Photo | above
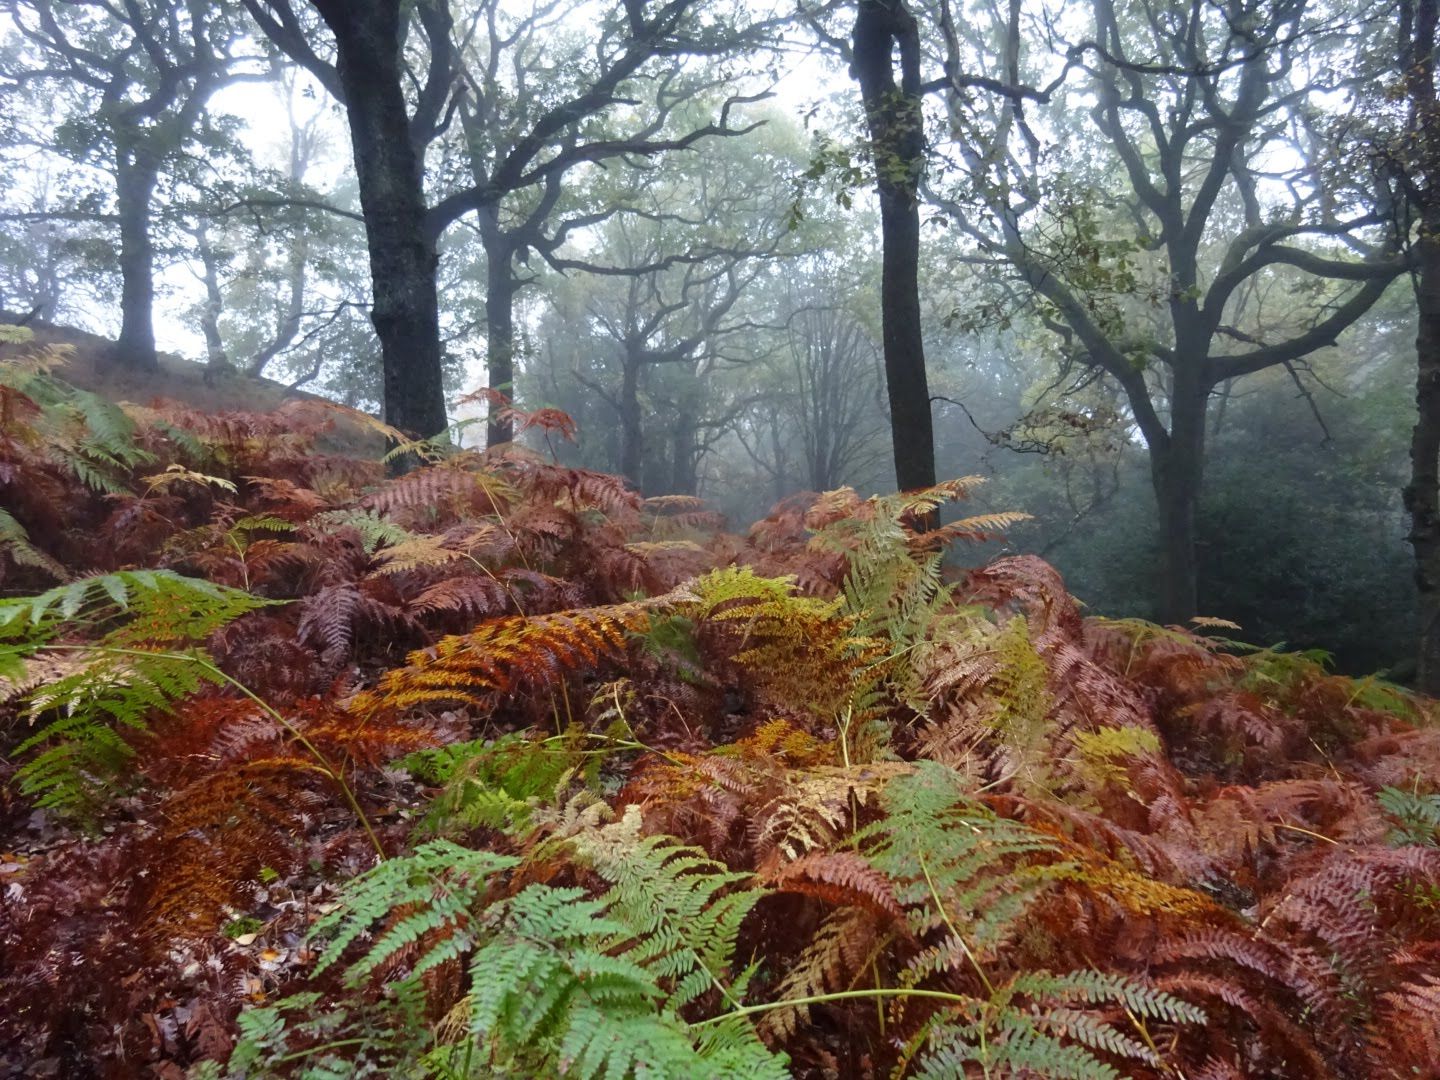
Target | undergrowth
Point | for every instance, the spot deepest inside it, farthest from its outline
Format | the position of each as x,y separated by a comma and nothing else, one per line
496,769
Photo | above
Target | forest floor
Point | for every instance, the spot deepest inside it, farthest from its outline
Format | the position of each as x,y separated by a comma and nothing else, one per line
498,769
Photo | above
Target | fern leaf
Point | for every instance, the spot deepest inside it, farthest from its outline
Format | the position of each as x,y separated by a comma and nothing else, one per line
438,873
137,669
676,901
16,541
504,654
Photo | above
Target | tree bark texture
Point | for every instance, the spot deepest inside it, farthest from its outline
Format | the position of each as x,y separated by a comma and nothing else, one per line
1422,494
1177,468
216,359
684,454
500,289
632,433
403,261
897,137
135,179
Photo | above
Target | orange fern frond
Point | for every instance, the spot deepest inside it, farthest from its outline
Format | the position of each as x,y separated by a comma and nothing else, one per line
505,656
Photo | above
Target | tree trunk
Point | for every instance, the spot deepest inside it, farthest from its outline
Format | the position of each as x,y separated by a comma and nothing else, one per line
216,359
500,289
632,435
402,256
1422,494
905,379
684,459
781,455
897,136
1176,470
135,178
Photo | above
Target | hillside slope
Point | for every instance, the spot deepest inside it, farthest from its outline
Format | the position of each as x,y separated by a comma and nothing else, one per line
496,769
183,382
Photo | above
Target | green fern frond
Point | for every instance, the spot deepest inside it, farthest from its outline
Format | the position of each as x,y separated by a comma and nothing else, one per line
1100,987
366,1034
162,607
1417,816
556,986
1104,756
1020,689
15,541
83,755
440,881
951,857
83,432
806,649
1012,1046
144,661
560,981
109,433
493,784
1094,1034
676,901
375,531
894,586
261,523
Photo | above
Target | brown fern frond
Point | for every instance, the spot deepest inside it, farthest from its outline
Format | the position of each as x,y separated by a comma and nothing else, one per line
672,516
700,798
550,421
260,651
575,489
1216,1069
1235,1010
333,619
842,949
830,507
1396,759
469,596
841,879
814,807
545,524
1353,903
1032,586
207,732
977,529
539,591
283,498
621,570
217,836
420,551
1297,969
670,562
1405,1032
1174,862
441,494
1297,811
781,739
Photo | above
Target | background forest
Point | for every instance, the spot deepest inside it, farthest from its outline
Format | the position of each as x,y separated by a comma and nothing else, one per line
666,230
391,682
